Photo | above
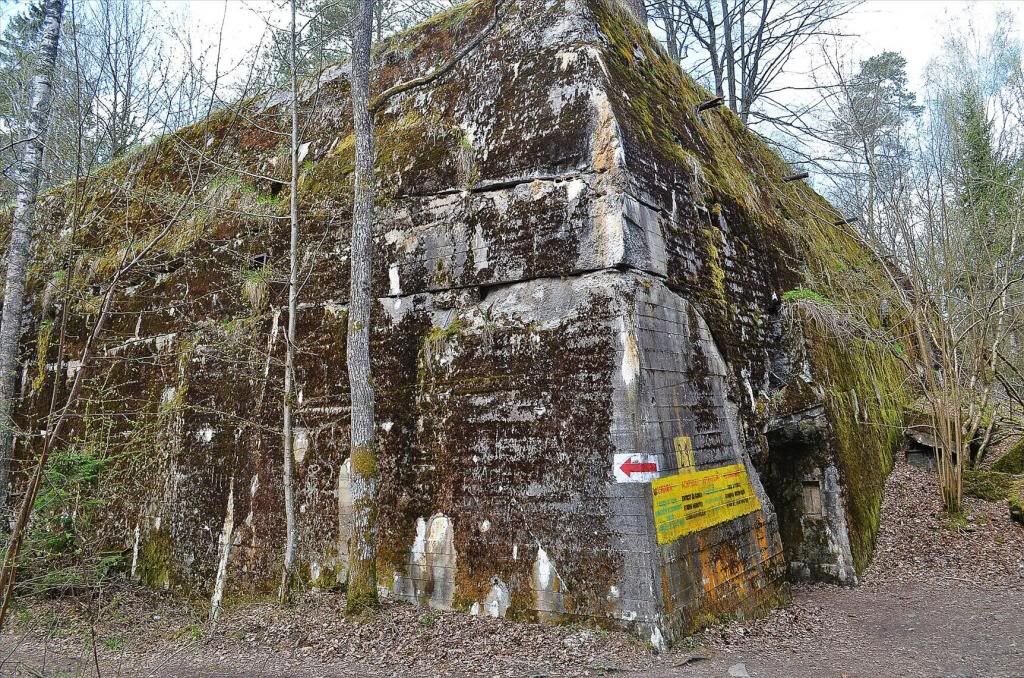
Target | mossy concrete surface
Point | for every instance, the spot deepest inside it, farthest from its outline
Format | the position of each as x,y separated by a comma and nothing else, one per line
570,264
993,485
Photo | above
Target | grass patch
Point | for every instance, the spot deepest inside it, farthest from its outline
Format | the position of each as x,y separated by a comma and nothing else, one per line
803,294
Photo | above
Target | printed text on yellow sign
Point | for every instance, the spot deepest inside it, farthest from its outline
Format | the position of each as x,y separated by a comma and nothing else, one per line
692,501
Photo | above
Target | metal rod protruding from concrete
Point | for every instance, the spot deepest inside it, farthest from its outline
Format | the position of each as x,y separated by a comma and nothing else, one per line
710,103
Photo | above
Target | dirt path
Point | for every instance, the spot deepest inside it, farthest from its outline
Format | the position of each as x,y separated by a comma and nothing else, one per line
940,599
905,630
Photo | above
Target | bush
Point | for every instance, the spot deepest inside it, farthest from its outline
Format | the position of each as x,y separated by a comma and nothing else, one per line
57,556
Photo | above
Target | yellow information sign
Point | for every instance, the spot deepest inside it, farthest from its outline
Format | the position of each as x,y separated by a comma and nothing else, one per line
692,501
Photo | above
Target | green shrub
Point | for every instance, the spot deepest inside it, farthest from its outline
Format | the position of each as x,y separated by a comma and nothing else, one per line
802,294
57,554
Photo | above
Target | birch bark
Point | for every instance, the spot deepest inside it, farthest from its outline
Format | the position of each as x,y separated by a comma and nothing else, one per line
287,432
28,176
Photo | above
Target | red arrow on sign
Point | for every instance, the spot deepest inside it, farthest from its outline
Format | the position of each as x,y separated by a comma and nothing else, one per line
631,466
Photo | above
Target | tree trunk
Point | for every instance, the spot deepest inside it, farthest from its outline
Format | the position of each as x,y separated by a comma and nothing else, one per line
672,40
362,577
730,56
21,234
287,433
716,63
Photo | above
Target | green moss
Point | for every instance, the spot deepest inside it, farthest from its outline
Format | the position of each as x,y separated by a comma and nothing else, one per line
712,241
434,342
865,402
154,565
256,286
991,485
659,104
329,578
802,294
1012,461
1017,509
174,405
276,203
438,26
361,592
333,174
42,350
364,461
955,521
438,334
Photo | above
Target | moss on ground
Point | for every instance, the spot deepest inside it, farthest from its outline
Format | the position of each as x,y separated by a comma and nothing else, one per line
992,485
1012,461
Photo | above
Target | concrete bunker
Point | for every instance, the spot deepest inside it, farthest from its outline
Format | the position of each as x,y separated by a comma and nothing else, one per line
573,330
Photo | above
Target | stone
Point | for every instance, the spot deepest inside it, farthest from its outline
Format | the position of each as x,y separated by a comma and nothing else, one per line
738,671
1013,460
1017,510
992,485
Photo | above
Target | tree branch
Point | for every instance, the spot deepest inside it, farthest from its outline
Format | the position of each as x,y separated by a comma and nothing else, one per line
382,99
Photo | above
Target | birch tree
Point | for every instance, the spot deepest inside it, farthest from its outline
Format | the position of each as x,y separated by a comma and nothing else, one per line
28,177
117,53
293,293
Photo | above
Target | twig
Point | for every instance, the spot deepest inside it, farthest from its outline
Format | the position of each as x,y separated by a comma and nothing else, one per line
17,143
95,655
382,99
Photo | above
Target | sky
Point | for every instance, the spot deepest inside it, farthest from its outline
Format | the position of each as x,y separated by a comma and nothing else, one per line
912,27
915,28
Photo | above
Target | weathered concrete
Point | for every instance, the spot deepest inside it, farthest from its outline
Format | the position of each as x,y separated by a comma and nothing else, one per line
570,264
